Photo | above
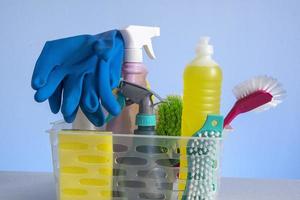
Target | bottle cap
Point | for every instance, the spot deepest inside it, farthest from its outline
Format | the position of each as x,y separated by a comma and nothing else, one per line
145,120
204,48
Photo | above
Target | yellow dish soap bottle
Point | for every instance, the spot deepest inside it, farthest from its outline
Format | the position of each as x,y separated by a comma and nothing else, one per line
201,93
201,89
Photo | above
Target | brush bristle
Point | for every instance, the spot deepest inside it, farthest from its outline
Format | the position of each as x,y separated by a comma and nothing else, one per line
261,83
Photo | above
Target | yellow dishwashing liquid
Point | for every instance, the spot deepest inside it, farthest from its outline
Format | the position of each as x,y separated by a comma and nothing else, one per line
201,94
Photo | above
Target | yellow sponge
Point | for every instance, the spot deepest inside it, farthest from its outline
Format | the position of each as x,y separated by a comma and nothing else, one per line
86,165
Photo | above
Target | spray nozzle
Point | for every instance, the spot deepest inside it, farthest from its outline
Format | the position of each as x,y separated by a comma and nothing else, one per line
136,94
136,38
142,96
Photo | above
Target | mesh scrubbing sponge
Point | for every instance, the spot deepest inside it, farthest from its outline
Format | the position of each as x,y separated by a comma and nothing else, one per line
169,116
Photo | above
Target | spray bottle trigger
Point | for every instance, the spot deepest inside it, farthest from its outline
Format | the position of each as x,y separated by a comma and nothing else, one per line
149,49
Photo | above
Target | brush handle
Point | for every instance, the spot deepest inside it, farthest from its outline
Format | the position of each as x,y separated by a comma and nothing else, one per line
231,115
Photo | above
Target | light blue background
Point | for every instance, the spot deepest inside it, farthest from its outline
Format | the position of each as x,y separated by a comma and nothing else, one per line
250,38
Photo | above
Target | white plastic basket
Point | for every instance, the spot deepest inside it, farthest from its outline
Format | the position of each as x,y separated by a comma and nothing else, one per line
93,165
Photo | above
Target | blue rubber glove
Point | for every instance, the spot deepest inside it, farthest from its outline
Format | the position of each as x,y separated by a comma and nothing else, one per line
81,70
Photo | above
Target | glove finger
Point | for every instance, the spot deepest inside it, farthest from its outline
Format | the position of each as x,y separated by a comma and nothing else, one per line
44,65
89,99
71,118
116,61
96,118
115,74
55,99
55,78
56,52
110,48
71,94
73,87
108,100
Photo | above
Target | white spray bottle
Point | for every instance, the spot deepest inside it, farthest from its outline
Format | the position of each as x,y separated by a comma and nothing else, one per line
134,71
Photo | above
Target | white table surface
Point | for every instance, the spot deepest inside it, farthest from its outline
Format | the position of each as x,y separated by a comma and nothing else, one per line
40,186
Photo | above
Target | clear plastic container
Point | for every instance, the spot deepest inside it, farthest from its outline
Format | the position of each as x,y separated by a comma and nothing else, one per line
94,165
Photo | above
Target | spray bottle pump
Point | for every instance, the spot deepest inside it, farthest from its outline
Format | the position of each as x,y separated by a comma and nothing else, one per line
136,38
145,119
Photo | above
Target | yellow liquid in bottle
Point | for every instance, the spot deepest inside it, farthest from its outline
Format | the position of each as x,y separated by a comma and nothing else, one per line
201,96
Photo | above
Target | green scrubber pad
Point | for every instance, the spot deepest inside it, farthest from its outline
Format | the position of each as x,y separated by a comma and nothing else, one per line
169,116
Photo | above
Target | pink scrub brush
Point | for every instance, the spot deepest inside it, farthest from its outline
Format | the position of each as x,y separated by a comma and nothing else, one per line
259,93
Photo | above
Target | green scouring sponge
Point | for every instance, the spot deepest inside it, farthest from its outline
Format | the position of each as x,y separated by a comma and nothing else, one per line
169,116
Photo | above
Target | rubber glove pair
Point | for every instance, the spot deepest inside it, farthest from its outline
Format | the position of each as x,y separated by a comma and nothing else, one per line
80,71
